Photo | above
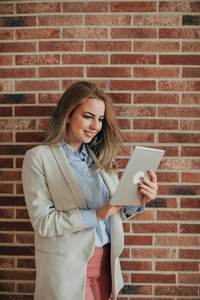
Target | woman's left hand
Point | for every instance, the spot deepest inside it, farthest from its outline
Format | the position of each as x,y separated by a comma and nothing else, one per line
148,187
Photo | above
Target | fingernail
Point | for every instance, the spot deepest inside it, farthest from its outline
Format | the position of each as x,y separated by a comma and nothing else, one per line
149,171
139,188
139,183
142,178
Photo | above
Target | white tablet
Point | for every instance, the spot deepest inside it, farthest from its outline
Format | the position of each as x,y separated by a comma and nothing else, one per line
142,160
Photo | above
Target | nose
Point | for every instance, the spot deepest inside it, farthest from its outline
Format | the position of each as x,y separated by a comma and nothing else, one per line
95,124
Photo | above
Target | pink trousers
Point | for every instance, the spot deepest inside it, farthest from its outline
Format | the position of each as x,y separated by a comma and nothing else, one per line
98,280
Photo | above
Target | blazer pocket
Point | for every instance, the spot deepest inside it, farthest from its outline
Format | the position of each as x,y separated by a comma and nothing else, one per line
50,252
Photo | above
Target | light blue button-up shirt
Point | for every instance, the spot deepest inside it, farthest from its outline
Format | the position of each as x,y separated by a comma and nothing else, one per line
95,192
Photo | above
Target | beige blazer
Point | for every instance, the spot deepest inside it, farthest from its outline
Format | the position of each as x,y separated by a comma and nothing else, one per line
62,245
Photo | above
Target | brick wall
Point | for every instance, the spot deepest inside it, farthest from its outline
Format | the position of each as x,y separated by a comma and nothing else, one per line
146,55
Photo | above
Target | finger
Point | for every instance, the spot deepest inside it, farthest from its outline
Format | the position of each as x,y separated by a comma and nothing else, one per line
153,176
148,183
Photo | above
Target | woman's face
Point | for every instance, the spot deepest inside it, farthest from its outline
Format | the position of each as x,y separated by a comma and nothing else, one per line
85,122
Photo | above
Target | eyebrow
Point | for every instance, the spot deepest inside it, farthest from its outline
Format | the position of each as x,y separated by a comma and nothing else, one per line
93,114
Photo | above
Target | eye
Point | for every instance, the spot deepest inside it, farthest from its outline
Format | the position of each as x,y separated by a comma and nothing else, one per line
101,120
87,117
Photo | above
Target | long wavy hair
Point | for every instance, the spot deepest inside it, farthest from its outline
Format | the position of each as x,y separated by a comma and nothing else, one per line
107,143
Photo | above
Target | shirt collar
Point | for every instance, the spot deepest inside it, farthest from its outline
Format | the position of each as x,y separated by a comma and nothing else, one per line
71,151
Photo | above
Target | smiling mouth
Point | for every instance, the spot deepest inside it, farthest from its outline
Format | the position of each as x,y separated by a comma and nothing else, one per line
89,134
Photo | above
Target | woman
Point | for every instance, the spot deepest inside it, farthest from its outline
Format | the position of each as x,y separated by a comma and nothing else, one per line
68,184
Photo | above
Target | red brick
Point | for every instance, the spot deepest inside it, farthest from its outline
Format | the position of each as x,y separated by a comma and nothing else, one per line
19,162
189,278
103,84
125,253
153,253
168,176
143,46
156,98
126,227
43,123
176,266
17,21
190,202
25,8
180,33
12,201
146,215
179,137
85,33
191,98
25,287
133,33
156,72
155,124
60,20
17,98
130,111
191,72
189,253
6,137
6,188
6,34
154,228
6,213
37,59
136,290
49,98
134,137
190,46
160,202
7,262
34,110
108,20
25,238
190,228
178,215
190,125
85,59
61,72
6,86
7,9
179,59
6,112
9,124
190,151
29,137
120,97
179,190
7,286
179,112
179,164
111,46
37,85
133,6
190,177
138,240
85,7
178,241
25,263
6,163
136,265
179,86
156,20
133,59
10,175
109,72
191,20
124,123
40,33
177,290
14,226
18,73
136,85
6,60
61,46
22,214
153,278
17,275
18,47
179,6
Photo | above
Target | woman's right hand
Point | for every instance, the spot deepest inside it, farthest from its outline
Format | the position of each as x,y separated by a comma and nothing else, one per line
106,211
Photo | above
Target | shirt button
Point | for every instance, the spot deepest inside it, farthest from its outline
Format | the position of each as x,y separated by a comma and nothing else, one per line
93,187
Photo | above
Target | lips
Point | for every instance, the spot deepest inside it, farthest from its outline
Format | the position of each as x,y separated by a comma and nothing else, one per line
89,133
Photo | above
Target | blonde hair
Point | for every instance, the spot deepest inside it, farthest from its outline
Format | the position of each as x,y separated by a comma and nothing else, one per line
107,143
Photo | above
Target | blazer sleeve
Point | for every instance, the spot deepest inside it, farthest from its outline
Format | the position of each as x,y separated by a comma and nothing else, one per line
45,219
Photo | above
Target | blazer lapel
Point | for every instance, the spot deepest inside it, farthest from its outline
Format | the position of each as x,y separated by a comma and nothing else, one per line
66,170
